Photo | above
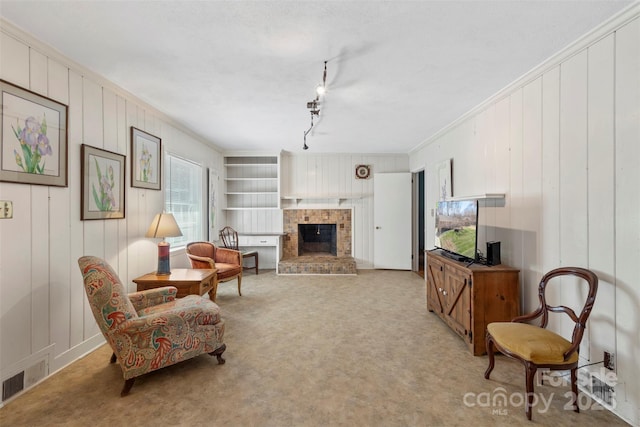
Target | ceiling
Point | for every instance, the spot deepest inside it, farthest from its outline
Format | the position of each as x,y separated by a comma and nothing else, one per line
240,73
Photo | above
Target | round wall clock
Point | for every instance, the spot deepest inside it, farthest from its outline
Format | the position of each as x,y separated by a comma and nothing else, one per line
362,171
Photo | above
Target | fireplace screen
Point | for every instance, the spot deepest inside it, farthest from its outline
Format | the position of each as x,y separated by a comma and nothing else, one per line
317,239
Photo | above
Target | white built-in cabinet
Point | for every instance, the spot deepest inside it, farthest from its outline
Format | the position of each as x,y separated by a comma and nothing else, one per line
252,193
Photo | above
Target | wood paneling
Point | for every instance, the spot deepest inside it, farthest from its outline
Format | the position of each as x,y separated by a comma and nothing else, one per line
531,187
42,300
601,192
566,149
512,251
550,181
573,176
627,219
39,257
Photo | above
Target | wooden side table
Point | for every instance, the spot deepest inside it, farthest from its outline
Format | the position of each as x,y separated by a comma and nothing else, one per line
187,281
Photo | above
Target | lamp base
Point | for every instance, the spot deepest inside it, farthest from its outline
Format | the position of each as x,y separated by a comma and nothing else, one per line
164,260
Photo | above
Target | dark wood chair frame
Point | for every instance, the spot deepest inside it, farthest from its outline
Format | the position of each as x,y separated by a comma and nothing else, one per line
129,382
543,311
229,238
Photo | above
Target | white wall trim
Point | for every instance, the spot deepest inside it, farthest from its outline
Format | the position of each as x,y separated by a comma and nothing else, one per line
56,364
76,353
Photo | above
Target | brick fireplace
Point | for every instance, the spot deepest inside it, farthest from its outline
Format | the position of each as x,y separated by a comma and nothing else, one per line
340,217
317,255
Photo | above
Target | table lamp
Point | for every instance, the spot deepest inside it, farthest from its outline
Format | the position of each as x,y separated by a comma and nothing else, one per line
163,225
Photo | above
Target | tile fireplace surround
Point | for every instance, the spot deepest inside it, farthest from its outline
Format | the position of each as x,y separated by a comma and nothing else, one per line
291,263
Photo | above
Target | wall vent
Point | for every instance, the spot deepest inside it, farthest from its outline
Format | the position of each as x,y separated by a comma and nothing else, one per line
12,385
602,391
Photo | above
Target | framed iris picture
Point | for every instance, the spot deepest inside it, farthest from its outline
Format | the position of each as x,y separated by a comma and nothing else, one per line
102,184
145,160
33,138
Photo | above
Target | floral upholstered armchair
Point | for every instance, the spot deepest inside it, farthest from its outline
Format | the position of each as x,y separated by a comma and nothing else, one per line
151,329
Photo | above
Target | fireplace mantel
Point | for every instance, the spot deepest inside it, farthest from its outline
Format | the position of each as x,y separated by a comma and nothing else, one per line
339,198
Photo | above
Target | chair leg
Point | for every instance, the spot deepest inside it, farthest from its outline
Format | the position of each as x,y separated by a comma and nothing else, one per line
256,257
239,284
213,292
218,354
113,358
489,344
574,389
530,374
127,387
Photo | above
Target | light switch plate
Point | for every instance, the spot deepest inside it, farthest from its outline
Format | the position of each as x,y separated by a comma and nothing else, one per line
6,209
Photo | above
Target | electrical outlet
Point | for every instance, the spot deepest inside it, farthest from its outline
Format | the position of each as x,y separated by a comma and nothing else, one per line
6,209
610,361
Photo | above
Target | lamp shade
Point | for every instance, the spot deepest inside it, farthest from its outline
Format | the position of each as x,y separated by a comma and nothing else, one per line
164,225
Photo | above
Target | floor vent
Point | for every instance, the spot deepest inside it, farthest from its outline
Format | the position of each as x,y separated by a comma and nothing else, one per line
12,386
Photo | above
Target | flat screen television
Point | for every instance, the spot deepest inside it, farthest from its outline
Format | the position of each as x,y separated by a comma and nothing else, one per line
456,228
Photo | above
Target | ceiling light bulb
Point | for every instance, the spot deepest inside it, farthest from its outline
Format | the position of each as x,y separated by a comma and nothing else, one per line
321,90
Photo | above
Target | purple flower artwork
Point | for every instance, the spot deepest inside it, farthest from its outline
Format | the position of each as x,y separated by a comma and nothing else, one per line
34,145
33,137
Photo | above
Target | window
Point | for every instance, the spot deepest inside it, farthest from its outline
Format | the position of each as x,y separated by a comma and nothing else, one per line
183,198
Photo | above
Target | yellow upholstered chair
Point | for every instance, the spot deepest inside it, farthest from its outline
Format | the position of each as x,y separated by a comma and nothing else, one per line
228,262
537,347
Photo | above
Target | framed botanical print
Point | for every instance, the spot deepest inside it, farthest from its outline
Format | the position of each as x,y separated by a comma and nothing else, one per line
102,184
145,160
33,138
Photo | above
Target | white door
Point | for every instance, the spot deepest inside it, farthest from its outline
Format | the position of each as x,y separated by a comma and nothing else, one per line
392,221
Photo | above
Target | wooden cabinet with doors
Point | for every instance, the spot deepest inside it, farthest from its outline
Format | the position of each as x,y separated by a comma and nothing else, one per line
468,297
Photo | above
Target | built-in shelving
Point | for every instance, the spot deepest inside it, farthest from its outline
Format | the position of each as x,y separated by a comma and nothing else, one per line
252,182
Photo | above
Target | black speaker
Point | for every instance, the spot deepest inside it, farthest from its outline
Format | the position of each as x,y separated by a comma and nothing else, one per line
493,253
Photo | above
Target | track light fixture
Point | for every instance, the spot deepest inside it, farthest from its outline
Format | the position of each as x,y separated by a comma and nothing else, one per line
314,106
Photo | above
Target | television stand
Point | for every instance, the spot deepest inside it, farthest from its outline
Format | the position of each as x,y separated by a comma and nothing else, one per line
468,297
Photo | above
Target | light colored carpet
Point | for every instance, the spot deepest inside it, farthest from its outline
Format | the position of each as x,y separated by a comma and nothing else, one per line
307,351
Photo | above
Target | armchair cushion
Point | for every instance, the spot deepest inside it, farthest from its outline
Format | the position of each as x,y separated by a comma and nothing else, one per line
226,271
183,307
530,342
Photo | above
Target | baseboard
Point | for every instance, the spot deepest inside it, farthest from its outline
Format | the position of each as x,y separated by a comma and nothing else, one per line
52,364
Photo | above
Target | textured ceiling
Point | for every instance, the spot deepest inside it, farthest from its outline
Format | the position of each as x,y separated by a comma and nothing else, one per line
240,73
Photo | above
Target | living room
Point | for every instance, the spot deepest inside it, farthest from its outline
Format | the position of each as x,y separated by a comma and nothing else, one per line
560,142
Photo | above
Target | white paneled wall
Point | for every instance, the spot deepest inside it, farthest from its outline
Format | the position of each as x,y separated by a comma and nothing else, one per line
564,145
43,308
314,176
